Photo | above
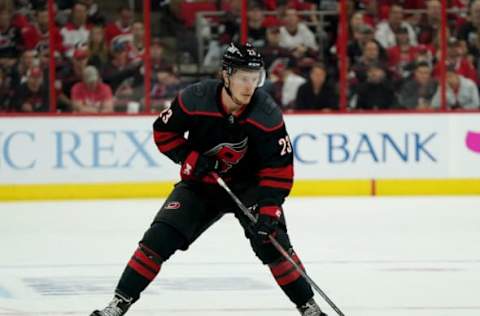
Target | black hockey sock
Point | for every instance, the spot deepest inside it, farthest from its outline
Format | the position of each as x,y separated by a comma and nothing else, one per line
158,244
140,271
292,283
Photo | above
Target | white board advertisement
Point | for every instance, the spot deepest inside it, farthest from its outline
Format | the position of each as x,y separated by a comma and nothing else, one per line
88,149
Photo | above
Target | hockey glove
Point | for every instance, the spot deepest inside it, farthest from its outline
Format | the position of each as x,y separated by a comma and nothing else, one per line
267,221
196,166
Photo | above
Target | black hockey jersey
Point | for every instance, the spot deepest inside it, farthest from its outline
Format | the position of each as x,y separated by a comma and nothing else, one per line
253,146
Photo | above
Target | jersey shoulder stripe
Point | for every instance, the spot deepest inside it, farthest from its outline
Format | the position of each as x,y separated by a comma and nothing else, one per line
200,98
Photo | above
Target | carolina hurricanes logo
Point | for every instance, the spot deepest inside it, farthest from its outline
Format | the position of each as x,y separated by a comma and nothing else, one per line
174,205
229,154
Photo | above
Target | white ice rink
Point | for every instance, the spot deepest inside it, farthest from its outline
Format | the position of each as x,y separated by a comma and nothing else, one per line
372,256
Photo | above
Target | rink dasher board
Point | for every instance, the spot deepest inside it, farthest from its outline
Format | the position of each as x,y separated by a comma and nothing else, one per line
369,154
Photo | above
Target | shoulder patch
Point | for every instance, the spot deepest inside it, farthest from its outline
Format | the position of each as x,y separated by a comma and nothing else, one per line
199,90
266,114
200,97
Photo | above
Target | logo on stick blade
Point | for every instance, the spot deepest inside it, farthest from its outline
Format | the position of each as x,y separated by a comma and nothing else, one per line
472,140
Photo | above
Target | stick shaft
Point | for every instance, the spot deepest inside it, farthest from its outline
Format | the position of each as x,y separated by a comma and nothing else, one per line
278,246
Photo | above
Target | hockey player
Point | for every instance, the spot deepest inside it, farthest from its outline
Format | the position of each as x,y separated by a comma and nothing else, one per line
237,131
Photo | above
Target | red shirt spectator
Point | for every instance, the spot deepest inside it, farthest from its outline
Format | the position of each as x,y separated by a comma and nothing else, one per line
460,5
463,67
189,9
20,21
36,35
91,95
121,27
457,59
402,55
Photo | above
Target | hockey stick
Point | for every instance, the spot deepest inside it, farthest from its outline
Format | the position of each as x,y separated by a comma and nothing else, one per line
277,245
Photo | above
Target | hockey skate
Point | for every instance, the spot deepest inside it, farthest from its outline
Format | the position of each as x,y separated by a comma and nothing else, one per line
311,308
117,307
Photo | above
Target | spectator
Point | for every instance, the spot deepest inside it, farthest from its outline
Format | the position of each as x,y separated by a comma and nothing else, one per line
130,88
70,75
272,51
118,68
25,6
137,41
75,32
32,95
430,23
385,33
462,93
231,19
456,56
98,48
402,55
469,32
458,8
121,29
362,34
372,14
44,59
357,19
94,16
10,39
418,93
286,82
20,12
425,54
370,55
377,92
130,91
36,35
165,89
256,29
297,37
91,95
26,62
316,93
5,92
157,55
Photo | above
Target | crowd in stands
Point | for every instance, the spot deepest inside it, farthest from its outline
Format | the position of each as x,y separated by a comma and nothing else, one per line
393,53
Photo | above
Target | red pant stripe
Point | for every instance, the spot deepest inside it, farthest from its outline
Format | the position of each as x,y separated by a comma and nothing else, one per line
146,260
281,268
297,261
147,274
284,266
276,184
289,278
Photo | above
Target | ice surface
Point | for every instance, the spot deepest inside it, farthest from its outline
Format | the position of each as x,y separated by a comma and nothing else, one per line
372,256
